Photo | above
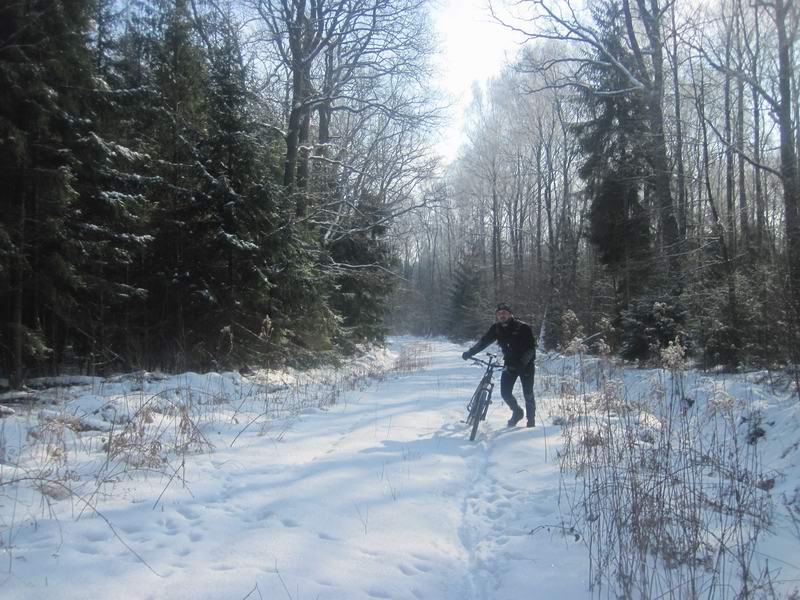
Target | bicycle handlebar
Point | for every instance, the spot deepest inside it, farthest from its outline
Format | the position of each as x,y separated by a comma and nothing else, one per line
490,363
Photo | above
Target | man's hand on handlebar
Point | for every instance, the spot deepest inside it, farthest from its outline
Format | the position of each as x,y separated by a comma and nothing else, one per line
491,361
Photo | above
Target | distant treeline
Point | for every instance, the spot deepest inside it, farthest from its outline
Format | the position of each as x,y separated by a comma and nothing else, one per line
203,184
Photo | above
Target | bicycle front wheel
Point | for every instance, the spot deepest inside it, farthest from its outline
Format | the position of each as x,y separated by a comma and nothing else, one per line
477,412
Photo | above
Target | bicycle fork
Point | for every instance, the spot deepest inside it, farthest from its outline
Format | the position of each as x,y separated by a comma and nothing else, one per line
489,388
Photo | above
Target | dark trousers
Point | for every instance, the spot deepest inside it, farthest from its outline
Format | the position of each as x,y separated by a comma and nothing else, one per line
507,381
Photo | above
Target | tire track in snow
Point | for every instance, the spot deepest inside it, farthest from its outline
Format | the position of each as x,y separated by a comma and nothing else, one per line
471,531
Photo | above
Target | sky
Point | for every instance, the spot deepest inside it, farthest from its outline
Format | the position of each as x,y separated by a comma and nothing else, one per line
474,49
379,494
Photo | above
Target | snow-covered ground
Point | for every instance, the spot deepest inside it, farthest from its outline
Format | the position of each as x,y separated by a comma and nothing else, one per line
266,495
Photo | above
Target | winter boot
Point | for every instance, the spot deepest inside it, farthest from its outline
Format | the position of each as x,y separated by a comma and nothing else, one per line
530,410
516,416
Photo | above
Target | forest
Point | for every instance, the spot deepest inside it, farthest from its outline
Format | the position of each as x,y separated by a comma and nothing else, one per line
630,181
225,184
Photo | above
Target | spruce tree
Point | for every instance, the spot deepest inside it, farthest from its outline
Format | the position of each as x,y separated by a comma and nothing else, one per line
466,317
234,245
613,141
362,280
45,75
162,62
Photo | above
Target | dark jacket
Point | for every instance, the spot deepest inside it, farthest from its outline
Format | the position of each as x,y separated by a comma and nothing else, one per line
515,339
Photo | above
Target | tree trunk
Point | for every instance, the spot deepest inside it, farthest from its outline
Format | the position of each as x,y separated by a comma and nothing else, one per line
548,208
293,132
17,375
540,179
657,150
497,253
744,208
732,306
681,174
730,208
789,171
760,204
656,147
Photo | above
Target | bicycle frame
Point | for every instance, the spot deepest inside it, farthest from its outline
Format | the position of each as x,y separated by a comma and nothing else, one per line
479,403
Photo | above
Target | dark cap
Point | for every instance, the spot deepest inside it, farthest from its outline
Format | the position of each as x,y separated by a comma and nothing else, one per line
503,306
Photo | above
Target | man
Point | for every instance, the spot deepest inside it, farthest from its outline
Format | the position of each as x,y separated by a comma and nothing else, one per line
518,344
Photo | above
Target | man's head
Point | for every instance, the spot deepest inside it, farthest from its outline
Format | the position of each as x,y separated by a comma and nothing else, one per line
503,313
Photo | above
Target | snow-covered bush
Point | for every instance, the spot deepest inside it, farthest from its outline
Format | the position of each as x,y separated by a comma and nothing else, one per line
649,324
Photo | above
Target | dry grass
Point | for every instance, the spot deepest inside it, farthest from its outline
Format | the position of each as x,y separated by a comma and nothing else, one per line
669,496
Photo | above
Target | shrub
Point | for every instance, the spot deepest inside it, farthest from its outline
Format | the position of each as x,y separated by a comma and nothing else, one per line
649,325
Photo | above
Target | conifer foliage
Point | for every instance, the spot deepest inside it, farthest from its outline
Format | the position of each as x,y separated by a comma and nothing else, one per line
145,222
45,80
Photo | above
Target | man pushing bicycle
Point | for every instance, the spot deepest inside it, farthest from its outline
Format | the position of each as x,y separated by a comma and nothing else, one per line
518,344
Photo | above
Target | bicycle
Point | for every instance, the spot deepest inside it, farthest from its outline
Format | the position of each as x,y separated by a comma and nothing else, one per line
479,403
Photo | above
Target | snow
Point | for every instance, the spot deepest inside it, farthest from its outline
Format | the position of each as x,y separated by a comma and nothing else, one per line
272,491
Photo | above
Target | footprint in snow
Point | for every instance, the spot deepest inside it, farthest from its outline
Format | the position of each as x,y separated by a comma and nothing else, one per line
327,537
420,556
97,536
406,570
290,523
188,513
250,517
378,593
129,529
495,514
170,525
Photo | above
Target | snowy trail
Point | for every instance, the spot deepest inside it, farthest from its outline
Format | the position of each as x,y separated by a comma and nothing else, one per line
380,496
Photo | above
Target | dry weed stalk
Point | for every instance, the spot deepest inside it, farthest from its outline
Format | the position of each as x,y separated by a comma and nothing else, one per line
670,497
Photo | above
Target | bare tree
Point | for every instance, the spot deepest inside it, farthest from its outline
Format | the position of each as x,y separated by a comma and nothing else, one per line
333,50
771,81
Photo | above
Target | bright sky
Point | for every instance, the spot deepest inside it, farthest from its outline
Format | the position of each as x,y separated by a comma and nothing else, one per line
474,48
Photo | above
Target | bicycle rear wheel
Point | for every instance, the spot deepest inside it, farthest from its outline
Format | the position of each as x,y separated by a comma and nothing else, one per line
478,412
